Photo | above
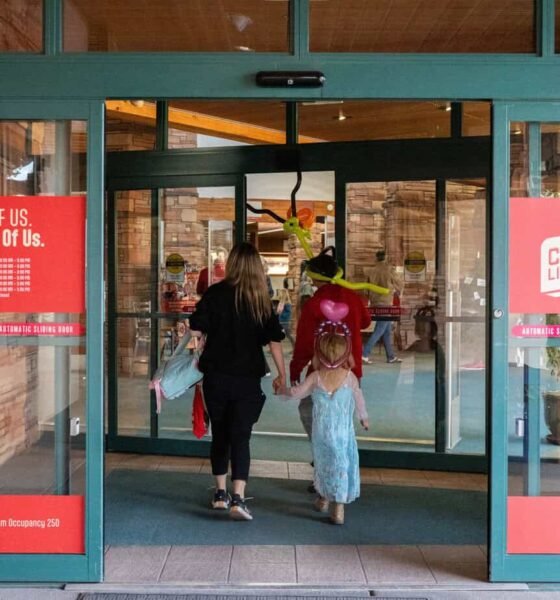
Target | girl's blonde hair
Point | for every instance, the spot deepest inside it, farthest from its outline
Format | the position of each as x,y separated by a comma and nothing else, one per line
333,347
244,271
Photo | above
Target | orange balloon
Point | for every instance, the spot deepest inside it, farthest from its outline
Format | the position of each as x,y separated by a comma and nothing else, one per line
305,217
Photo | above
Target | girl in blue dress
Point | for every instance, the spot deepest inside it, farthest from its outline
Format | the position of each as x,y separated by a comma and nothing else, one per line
335,393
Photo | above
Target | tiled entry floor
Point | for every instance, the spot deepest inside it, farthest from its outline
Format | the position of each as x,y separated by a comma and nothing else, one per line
301,565
354,566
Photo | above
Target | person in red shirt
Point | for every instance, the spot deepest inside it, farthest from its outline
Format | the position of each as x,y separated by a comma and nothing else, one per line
311,316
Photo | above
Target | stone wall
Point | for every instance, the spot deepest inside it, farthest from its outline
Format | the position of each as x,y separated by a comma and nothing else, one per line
18,399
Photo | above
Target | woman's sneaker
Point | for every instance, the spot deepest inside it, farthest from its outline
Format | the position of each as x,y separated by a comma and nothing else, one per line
239,510
221,500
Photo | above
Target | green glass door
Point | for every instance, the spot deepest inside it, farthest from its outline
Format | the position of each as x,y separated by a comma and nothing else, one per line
51,340
525,437
167,245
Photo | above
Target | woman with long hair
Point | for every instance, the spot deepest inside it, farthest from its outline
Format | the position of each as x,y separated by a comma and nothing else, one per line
237,318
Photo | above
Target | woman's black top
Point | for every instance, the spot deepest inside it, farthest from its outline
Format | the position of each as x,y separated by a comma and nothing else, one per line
234,341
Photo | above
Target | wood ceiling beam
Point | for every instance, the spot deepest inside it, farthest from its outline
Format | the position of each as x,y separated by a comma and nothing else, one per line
200,123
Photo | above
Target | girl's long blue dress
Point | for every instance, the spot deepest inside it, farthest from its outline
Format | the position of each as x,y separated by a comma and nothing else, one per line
335,451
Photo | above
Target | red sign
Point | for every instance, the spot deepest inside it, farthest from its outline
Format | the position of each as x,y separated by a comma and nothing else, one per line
32,329
536,331
384,311
534,255
42,254
532,525
42,525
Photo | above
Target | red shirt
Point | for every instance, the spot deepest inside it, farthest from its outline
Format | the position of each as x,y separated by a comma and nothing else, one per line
311,316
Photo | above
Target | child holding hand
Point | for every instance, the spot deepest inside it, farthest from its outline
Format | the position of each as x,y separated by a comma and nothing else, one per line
335,394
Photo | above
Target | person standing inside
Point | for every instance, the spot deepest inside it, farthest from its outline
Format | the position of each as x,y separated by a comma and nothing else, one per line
311,317
384,275
237,319
284,311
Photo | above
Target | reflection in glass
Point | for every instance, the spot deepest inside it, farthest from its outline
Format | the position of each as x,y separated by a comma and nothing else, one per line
176,26
21,26
424,26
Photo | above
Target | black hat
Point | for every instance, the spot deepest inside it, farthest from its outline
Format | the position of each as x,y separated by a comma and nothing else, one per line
324,264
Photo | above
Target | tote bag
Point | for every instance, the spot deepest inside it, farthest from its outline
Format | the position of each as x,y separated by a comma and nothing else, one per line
174,377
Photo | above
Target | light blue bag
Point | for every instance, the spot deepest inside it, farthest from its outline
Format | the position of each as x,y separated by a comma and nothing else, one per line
174,377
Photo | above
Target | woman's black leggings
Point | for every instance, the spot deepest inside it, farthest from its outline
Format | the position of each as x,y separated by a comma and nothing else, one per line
234,404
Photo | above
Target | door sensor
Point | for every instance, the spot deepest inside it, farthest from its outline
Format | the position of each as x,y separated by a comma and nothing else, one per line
290,78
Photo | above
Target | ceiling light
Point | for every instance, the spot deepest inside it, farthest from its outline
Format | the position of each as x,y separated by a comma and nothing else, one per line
321,102
341,116
137,103
244,49
517,131
240,22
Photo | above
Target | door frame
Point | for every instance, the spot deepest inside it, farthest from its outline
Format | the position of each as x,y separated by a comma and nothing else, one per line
87,566
504,566
449,158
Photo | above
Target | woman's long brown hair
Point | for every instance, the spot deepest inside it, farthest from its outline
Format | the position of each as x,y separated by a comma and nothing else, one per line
245,272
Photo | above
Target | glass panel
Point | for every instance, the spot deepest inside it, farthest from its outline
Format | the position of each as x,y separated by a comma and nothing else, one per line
476,118
339,121
42,337
283,257
422,26
464,335
21,26
176,26
534,342
130,125
133,359
133,295
225,123
197,232
399,218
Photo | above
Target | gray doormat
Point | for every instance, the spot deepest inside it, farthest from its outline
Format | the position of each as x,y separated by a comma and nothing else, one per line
222,597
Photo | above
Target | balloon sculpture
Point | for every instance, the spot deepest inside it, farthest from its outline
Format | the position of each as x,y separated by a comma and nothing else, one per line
299,223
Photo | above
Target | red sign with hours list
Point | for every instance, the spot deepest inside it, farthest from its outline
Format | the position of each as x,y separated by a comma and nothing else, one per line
42,254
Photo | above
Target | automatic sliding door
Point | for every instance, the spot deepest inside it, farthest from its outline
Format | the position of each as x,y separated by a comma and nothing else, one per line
433,234
197,232
168,247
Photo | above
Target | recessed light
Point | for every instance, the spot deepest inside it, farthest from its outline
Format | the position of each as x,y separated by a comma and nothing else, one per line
341,116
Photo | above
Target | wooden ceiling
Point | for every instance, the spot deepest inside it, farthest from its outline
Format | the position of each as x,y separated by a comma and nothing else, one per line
365,120
263,122
335,25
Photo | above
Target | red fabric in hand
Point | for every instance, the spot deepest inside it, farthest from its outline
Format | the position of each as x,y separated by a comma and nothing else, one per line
198,413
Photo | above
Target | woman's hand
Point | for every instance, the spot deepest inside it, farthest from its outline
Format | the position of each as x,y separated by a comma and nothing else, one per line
364,423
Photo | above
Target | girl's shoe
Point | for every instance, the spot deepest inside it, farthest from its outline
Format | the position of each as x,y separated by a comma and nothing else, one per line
239,510
321,505
337,513
221,500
